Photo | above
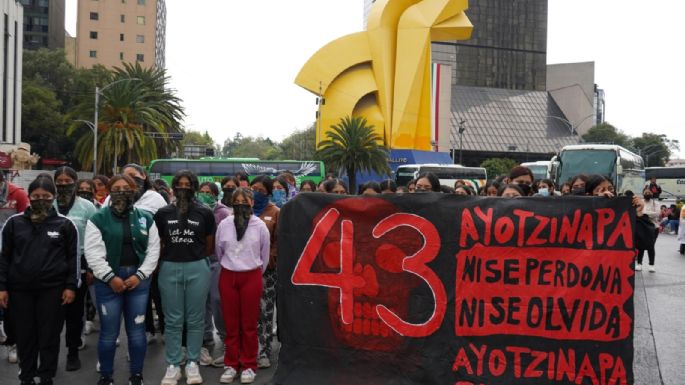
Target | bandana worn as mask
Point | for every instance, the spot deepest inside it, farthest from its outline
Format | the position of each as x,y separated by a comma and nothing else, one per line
65,194
40,208
260,202
278,198
228,194
241,219
87,195
578,191
207,199
121,202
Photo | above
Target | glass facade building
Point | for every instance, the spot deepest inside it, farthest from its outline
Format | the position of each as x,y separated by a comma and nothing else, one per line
43,23
508,47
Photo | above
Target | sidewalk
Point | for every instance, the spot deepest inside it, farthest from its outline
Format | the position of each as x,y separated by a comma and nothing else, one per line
659,334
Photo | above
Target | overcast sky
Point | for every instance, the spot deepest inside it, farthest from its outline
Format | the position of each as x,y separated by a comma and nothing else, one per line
234,62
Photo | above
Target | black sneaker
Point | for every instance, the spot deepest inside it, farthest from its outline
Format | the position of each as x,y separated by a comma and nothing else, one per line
136,379
105,381
73,363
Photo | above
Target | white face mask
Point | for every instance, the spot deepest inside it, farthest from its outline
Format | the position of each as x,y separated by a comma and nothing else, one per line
543,192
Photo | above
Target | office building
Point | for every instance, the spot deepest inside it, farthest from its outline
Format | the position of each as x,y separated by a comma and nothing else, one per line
43,24
10,71
110,32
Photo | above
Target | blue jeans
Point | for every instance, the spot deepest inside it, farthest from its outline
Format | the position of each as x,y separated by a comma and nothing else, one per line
110,305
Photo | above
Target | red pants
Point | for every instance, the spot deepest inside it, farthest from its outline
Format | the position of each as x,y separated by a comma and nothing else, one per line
240,295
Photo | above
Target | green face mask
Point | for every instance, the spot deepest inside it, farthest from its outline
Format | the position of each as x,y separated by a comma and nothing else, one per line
207,199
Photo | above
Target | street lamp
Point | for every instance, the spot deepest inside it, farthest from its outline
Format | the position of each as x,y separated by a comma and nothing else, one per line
462,128
570,125
95,143
98,90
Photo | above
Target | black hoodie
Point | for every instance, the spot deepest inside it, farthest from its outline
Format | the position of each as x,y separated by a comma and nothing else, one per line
39,256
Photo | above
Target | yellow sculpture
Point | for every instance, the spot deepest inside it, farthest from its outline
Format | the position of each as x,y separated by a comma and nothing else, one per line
384,73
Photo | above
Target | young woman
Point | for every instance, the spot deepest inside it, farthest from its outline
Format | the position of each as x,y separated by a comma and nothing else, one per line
511,190
38,277
243,246
122,249
598,186
101,192
335,186
645,236
228,185
578,184
490,189
388,186
427,182
262,186
523,177
79,211
186,230
307,185
281,191
85,188
370,188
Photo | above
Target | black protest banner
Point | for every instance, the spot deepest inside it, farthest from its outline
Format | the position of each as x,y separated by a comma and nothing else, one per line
441,289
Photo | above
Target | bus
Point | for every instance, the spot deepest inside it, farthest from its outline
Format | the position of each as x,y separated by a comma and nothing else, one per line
475,177
215,169
670,179
540,168
625,169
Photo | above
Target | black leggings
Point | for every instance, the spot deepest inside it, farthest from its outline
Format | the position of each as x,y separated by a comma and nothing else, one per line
650,251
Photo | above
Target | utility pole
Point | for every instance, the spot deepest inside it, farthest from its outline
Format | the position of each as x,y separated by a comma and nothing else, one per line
462,128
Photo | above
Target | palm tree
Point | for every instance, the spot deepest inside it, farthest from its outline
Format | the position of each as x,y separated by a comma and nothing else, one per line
131,112
353,146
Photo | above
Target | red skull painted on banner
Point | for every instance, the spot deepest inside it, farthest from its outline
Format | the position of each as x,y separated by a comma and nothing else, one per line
379,262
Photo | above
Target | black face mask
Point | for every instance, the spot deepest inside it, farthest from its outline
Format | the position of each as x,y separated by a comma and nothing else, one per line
578,191
228,194
242,213
141,188
648,197
65,194
87,195
121,202
183,197
40,209
525,188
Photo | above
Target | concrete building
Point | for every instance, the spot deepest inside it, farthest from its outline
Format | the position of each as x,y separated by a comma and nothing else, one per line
43,24
110,32
10,72
572,86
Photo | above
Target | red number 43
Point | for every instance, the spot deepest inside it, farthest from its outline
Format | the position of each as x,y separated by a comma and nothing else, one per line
346,280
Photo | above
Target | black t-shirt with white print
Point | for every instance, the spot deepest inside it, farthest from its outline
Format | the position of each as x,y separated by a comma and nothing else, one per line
184,241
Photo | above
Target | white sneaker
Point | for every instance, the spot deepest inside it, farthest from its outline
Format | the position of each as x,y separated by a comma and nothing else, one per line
172,375
193,376
228,375
247,376
263,363
638,267
652,269
218,362
12,354
205,358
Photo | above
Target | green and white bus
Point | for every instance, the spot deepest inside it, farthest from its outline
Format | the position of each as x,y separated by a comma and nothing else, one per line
215,169
625,169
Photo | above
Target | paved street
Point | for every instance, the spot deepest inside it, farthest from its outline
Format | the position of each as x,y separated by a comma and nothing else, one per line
659,334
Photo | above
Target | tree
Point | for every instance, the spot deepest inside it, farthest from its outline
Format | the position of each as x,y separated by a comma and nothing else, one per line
653,148
353,146
606,133
42,123
498,166
249,147
300,145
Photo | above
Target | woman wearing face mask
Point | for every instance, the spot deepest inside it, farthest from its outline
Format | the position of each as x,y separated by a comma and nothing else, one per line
186,230
565,189
101,192
578,183
545,188
281,192
243,248
85,188
262,188
79,211
427,182
122,249
523,177
38,278
209,193
228,185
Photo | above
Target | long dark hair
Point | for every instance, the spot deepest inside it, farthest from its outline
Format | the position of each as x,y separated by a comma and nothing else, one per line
435,181
45,182
194,183
146,184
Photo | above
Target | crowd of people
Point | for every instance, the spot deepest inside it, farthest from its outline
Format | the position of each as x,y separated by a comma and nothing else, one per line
186,261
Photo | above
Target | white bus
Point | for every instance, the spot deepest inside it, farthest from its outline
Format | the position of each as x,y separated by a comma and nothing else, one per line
540,168
670,179
625,169
475,177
